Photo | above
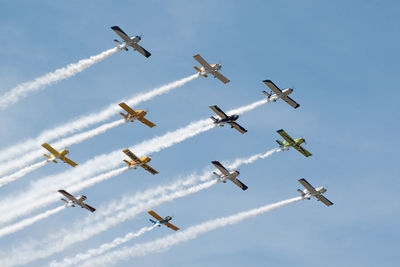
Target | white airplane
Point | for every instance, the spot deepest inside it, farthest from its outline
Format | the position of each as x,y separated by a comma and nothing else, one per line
225,174
210,69
130,41
310,191
78,200
278,93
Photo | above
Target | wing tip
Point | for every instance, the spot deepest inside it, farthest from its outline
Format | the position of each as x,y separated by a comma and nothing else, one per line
266,81
279,131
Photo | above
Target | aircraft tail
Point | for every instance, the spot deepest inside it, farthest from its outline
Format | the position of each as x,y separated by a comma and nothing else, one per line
124,115
214,119
49,157
127,162
303,195
280,143
199,70
267,94
119,43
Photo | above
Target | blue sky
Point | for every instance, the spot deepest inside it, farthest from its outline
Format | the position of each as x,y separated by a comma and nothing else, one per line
341,57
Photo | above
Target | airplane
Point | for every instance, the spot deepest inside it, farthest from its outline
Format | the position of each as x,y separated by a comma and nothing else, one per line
135,115
161,220
289,142
209,69
278,93
310,191
226,119
57,155
130,41
225,174
135,162
78,200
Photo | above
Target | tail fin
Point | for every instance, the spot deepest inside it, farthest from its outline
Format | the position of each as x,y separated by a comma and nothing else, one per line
199,70
280,143
49,157
127,162
267,94
124,115
118,42
301,192
214,119
216,174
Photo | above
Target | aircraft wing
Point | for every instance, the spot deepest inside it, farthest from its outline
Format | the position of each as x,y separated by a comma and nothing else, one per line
149,169
50,149
121,33
309,187
68,161
290,102
127,109
89,208
68,195
203,62
219,112
221,168
324,200
141,50
131,155
147,122
272,86
238,127
239,183
221,77
285,136
155,215
170,225
302,150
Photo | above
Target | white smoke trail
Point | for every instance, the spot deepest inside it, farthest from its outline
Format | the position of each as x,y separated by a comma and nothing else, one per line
25,256
102,249
168,241
29,221
12,177
97,179
105,217
40,189
17,205
75,139
86,121
23,89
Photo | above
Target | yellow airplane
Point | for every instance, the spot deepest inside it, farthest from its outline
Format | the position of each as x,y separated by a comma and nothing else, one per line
289,142
135,162
135,115
58,155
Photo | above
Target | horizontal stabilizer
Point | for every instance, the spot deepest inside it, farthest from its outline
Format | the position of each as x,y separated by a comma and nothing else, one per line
214,119
267,94
280,143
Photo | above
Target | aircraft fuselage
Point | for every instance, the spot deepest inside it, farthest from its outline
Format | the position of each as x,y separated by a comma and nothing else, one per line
223,178
131,118
144,160
307,194
285,92
215,68
132,41
71,203
222,122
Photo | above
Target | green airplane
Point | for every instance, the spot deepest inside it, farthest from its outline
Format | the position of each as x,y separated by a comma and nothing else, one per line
289,142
